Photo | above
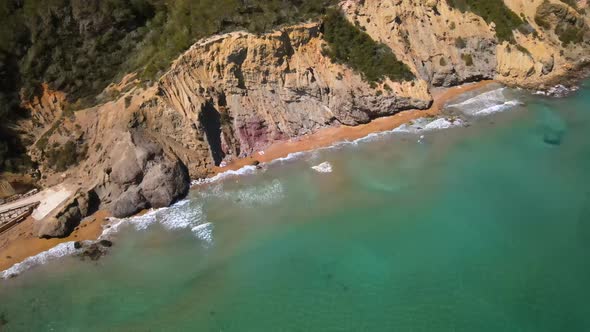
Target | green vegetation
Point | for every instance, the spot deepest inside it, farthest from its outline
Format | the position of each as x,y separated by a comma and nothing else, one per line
460,43
568,28
60,158
542,22
523,49
571,3
349,45
80,46
570,35
492,11
467,58
179,23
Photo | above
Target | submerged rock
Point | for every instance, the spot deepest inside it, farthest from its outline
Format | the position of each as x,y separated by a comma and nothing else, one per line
106,243
3,320
553,138
93,250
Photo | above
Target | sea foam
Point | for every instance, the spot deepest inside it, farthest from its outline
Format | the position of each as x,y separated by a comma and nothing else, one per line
485,103
266,193
182,215
59,251
231,173
324,167
204,232
425,124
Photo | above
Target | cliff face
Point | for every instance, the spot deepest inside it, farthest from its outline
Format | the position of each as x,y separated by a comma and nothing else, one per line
239,92
233,95
446,46
228,96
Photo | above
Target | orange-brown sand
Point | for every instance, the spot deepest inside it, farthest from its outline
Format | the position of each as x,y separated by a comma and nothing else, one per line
19,243
328,136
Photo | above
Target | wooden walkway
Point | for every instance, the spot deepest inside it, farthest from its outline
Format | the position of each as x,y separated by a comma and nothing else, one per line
11,217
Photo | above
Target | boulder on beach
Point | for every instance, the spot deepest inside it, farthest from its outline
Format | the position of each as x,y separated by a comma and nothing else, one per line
143,176
62,221
130,202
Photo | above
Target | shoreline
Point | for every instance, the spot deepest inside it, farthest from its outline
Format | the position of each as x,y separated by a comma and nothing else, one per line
18,243
328,136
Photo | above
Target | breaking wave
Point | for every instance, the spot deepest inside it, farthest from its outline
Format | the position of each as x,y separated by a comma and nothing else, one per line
425,124
182,215
486,103
57,252
227,174
251,196
324,167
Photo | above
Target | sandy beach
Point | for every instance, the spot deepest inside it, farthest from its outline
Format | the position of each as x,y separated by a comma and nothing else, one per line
18,243
329,136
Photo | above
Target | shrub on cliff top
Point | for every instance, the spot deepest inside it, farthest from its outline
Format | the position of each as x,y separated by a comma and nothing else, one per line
349,45
80,46
492,11
60,158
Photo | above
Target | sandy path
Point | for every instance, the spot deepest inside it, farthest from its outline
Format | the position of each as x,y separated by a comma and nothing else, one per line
49,199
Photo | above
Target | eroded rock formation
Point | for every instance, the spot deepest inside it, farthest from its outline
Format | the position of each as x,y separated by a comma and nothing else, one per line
232,95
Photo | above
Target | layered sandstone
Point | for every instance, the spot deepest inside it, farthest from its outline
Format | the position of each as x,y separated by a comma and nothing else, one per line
233,95
435,40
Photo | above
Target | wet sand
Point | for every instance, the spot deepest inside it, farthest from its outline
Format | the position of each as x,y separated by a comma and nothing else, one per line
19,243
328,136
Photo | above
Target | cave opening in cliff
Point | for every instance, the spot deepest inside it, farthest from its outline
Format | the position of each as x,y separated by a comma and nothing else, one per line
210,120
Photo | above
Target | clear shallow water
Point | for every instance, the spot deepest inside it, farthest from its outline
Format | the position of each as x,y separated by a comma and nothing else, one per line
485,228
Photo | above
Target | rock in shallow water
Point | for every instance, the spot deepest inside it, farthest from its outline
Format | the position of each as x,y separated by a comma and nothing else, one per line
106,243
553,138
92,250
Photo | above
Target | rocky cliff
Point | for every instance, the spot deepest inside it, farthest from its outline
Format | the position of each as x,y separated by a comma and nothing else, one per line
234,94
446,46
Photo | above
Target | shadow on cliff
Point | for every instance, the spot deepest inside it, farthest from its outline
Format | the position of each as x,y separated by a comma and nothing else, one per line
210,120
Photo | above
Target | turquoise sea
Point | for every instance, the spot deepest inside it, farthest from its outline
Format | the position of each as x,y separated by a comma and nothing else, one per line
479,228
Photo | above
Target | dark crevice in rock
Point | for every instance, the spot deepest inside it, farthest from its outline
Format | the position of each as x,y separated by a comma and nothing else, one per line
210,120
93,202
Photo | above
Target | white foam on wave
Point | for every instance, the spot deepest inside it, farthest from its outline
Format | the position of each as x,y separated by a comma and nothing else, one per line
324,167
181,215
444,123
497,108
425,124
231,173
485,103
59,251
289,157
267,193
204,232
